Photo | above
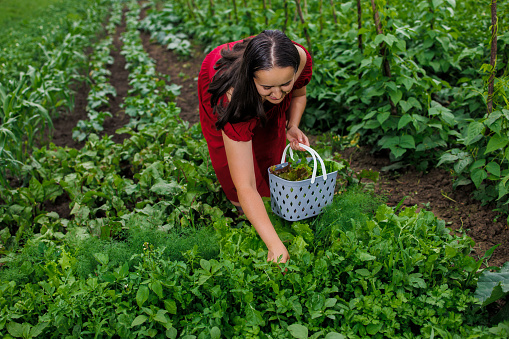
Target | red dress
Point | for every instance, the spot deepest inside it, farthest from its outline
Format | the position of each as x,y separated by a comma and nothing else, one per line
268,141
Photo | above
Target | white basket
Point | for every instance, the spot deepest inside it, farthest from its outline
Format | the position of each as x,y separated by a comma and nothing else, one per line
297,200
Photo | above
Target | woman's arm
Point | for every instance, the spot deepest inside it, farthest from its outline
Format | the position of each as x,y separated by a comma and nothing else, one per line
294,113
240,161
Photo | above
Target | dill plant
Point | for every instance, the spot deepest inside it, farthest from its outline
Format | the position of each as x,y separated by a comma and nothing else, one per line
356,204
27,265
174,243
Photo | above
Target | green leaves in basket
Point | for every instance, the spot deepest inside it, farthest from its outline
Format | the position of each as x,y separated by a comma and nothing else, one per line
300,172
297,168
301,168
333,166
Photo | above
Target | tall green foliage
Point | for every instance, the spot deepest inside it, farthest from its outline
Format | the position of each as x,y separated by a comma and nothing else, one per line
416,87
41,90
394,275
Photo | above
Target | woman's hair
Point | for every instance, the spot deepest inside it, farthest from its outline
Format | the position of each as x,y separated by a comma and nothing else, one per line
236,69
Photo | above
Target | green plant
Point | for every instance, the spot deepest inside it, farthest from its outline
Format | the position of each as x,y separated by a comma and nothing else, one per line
353,204
100,91
37,93
493,286
166,28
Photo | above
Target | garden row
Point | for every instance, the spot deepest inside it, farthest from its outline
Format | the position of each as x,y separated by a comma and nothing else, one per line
151,248
31,95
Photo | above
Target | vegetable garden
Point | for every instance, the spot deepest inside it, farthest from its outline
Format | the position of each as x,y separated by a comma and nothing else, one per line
117,227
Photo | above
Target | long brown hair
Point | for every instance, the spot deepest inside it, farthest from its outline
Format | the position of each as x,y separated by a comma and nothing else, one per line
236,68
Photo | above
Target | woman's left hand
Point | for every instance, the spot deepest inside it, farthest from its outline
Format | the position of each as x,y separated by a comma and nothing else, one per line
296,136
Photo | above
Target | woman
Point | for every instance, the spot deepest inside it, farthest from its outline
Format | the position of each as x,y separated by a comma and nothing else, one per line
252,94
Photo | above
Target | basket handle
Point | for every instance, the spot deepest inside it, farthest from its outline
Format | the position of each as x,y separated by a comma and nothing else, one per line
314,154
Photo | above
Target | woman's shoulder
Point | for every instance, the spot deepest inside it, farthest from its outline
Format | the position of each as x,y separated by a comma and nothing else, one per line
305,70
305,59
303,53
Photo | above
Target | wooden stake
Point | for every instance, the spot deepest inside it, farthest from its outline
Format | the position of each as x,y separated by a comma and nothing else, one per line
286,15
333,12
306,33
235,11
321,14
383,52
359,23
265,12
493,56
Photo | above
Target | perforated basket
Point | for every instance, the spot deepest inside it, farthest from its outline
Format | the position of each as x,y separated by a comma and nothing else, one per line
297,200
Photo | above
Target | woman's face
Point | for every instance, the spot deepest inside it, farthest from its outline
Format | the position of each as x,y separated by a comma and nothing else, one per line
275,83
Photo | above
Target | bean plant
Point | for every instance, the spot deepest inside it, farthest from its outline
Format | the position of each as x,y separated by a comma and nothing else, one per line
412,83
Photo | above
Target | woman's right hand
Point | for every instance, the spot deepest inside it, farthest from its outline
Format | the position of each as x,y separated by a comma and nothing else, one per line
240,162
277,251
296,136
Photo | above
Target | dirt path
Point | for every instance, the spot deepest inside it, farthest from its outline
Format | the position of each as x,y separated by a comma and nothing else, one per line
119,80
432,190
64,124
182,71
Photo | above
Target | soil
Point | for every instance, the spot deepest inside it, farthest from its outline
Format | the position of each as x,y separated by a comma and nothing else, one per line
431,190
119,80
434,192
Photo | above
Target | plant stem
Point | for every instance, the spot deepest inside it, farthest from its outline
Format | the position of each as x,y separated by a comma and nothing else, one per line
265,12
211,7
286,15
235,11
432,11
199,16
383,52
306,33
333,12
359,23
321,14
191,10
493,56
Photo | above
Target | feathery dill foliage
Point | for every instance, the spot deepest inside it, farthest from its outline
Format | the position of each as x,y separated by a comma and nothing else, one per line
355,204
25,266
175,244
28,265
